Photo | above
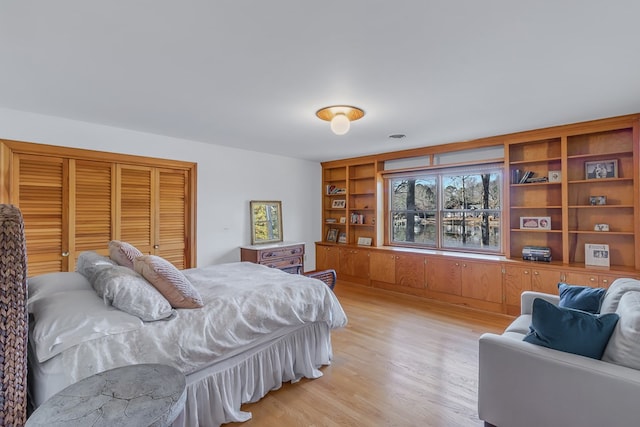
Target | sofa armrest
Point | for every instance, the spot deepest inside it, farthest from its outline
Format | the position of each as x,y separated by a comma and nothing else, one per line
527,297
525,385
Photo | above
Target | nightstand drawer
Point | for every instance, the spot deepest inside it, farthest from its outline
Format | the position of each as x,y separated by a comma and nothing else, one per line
283,263
281,253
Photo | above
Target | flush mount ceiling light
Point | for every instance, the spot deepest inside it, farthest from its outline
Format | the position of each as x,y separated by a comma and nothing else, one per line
340,117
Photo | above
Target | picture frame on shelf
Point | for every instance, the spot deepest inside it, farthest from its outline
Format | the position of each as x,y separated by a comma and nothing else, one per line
342,238
601,227
364,241
343,220
555,176
601,169
596,255
597,200
339,204
332,235
535,223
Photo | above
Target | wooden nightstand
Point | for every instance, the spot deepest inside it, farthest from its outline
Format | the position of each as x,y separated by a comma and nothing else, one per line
287,256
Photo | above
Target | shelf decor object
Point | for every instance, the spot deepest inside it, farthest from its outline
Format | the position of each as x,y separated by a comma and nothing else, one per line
597,255
555,176
601,169
339,204
535,222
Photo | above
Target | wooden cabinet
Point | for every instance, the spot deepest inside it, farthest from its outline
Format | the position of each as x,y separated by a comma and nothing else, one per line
539,199
354,264
334,202
382,267
361,203
610,146
444,275
546,280
75,200
404,272
463,277
482,281
327,257
349,202
286,256
559,159
516,280
573,150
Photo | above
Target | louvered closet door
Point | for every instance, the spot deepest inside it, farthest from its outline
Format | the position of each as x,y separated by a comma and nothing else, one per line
172,216
39,189
92,205
135,223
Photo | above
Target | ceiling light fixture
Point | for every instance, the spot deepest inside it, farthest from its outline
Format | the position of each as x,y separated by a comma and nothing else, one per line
340,117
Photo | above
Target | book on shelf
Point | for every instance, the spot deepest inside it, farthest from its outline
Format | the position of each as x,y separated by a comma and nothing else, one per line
525,176
538,179
332,189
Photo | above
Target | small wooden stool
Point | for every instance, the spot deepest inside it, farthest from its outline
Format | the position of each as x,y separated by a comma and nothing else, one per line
135,395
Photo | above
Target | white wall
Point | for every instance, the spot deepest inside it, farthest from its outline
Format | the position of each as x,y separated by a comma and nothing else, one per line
228,179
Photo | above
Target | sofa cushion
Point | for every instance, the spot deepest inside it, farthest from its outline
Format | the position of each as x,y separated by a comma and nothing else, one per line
583,298
618,288
624,345
520,324
569,330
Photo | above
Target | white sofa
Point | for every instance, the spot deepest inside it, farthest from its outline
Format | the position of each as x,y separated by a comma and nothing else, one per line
527,385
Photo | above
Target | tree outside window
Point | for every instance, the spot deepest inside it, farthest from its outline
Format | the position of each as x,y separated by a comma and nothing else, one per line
448,209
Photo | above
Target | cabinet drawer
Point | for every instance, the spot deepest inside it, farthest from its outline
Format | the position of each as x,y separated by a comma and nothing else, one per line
280,253
283,262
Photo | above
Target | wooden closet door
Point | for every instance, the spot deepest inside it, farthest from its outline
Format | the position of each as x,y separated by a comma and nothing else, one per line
135,222
40,190
172,216
92,206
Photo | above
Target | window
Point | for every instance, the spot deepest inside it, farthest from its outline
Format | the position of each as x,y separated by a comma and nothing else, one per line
451,208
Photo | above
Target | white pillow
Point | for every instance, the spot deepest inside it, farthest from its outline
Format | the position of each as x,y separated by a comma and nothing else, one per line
50,283
89,263
65,319
623,347
618,288
130,292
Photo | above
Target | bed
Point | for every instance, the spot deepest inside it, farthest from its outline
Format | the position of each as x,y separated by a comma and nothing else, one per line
257,328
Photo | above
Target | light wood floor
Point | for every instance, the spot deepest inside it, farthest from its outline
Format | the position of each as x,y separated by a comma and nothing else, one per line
401,361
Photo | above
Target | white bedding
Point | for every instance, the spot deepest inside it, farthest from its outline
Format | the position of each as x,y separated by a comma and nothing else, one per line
245,305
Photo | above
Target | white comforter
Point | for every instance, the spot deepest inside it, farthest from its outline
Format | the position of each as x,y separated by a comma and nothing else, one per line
244,303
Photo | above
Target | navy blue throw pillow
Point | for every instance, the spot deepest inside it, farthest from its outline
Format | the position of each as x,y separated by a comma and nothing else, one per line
569,330
581,297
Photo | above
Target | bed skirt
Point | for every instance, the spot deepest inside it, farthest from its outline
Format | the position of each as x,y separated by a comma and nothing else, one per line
215,394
